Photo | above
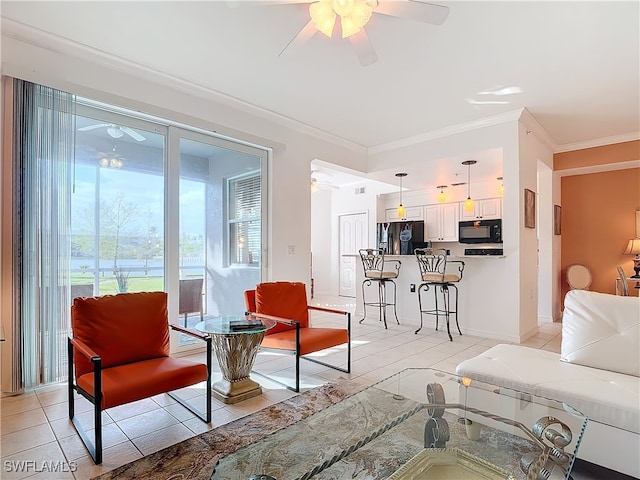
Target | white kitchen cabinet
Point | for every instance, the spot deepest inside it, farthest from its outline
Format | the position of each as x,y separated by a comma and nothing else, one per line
441,222
485,209
413,214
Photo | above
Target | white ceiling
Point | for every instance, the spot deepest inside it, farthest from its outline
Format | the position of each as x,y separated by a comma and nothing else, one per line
577,62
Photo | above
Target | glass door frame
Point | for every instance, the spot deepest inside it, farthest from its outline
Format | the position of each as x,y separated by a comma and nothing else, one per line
173,132
172,211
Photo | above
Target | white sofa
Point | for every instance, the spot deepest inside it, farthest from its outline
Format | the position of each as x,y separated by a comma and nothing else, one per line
597,372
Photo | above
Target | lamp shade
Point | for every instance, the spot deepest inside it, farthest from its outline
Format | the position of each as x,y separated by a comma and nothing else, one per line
633,247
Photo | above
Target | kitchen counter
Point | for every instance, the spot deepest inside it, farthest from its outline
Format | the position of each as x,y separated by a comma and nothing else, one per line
479,282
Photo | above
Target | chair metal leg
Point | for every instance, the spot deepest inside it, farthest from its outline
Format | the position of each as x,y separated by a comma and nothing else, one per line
435,296
94,448
364,300
395,312
456,311
420,303
382,302
445,298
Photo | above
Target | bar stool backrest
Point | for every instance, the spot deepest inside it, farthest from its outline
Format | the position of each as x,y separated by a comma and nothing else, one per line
432,264
373,263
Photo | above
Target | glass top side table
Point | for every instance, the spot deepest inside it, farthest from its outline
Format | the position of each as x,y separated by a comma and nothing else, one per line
236,340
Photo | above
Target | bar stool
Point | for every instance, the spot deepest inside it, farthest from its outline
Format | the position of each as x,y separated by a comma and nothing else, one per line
433,272
374,263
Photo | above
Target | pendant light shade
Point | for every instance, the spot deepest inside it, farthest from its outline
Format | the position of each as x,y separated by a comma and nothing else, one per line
468,204
402,211
442,197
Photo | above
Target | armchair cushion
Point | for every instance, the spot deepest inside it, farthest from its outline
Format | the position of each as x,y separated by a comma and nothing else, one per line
120,343
134,381
311,339
283,299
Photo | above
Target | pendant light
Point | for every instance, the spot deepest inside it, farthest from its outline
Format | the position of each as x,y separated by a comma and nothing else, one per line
501,187
442,197
468,204
402,212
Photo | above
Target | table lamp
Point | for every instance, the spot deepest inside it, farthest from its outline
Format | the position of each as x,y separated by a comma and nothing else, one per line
633,248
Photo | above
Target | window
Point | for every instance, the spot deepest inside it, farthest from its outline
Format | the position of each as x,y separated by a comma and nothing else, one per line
244,219
110,201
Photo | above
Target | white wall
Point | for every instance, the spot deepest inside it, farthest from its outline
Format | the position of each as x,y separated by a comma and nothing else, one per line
540,251
321,242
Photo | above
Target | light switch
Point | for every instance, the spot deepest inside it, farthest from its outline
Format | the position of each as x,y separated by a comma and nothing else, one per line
291,249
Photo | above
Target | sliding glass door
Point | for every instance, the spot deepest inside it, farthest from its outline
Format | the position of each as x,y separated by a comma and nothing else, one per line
162,207
220,226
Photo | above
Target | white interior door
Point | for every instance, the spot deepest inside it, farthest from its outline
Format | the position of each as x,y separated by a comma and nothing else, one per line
353,236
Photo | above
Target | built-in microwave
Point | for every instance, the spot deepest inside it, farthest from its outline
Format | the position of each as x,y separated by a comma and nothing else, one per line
480,231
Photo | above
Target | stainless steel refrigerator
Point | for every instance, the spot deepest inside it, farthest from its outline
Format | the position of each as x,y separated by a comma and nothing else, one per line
401,238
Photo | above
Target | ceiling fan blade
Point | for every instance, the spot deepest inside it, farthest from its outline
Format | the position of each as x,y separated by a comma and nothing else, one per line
299,40
93,127
132,133
363,48
414,10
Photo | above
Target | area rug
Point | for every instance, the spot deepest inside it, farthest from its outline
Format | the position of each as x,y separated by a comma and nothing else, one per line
197,457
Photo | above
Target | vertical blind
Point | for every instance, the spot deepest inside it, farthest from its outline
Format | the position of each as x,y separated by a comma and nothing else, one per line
244,220
44,126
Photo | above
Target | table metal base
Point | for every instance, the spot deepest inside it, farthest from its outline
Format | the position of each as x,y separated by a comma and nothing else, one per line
236,354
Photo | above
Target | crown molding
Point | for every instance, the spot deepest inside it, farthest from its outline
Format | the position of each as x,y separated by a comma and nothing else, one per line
533,126
606,167
627,137
501,118
54,43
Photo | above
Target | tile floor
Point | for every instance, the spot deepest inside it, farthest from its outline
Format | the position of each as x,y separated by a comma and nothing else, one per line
39,442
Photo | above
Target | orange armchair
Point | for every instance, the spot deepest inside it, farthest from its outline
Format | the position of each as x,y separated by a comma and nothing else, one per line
120,351
286,303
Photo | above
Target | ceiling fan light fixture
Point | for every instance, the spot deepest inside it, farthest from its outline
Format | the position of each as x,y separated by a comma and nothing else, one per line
323,16
343,7
354,14
349,27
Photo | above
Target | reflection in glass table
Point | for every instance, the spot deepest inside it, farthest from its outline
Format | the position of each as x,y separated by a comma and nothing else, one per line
412,426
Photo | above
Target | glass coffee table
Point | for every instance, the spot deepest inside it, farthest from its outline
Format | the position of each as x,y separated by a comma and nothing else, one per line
236,340
420,424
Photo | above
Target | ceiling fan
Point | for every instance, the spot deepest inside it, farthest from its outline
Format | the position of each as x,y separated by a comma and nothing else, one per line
322,185
353,15
115,131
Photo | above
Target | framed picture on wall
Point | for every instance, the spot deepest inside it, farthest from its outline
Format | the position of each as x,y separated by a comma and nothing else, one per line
529,208
557,220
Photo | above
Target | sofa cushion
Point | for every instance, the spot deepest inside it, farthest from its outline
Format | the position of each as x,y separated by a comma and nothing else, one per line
601,331
603,396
